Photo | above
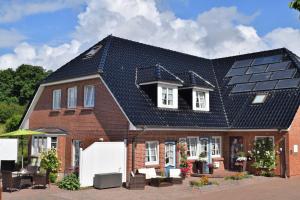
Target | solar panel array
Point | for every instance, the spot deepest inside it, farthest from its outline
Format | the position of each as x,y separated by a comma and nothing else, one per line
263,73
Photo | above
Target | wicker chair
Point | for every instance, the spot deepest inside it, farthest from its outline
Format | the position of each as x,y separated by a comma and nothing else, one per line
10,183
41,180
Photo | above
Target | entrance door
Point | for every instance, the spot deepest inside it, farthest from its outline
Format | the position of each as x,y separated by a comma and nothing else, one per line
170,156
236,145
204,149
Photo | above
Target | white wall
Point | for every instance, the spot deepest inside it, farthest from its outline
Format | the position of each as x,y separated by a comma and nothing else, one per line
8,149
102,157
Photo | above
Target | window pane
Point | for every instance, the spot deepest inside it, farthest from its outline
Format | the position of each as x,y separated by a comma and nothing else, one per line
56,99
89,96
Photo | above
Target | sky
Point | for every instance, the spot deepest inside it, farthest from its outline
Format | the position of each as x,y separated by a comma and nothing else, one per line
49,33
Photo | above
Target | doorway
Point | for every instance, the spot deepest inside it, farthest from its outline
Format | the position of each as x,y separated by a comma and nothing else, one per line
170,156
282,158
236,146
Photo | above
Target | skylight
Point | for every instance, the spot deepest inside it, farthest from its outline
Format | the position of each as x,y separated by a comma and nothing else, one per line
260,98
93,51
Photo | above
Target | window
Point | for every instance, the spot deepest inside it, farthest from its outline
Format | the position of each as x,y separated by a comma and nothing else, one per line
260,98
216,146
204,146
76,153
56,99
200,100
72,97
151,157
192,147
167,96
89,96
53,143
39,144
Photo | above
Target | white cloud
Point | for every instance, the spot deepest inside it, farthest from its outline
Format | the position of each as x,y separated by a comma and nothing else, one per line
215,33
11,11
10,38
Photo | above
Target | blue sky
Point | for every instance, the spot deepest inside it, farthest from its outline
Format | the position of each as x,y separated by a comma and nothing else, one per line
49,32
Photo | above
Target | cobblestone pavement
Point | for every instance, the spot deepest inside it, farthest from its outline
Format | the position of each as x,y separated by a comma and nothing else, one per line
256,188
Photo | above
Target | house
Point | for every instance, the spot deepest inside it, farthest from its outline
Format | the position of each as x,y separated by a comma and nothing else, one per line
154,98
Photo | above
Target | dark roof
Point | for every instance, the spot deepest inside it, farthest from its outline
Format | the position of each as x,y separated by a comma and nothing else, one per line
156,73
124,64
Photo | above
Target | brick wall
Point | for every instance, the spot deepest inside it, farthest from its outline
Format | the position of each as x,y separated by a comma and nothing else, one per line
105,120
294,139
163,136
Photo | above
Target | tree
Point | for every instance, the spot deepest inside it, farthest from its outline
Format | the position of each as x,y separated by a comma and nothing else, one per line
295,4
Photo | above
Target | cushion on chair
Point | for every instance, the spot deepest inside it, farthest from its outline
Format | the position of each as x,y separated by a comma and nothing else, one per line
175,173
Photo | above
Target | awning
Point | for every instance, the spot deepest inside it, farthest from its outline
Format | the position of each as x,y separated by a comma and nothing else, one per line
52,131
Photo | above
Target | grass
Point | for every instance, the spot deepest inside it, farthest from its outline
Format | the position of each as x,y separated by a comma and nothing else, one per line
238,176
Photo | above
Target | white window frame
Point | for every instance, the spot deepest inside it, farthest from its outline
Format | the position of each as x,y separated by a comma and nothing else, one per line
51,142
256,99
197,147
206,93
56,94
90,104
261,136
174,89
70,95
220,147
48,143
157,153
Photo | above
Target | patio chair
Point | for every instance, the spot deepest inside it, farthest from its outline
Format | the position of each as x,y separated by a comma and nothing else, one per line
149,173
41,180
175,175
32,169
9,182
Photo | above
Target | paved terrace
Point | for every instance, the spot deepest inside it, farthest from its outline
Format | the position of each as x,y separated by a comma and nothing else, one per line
257,188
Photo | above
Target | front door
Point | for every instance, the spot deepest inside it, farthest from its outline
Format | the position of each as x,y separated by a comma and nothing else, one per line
236,145
204,150
170,156
282,158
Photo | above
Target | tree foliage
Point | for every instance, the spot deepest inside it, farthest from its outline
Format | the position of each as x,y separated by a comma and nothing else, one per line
17,87
295,4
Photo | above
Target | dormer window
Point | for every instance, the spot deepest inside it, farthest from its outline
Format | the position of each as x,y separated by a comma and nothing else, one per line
200,100
167,95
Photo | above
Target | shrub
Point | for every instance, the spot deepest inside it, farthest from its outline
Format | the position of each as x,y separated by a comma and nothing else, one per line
53,177
12,123
70,182
7,110
203,181
50,161
264,156
238,176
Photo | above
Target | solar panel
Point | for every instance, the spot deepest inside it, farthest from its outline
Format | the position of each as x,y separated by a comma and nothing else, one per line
260,77
257,69
236,72
288,83
278,66
267,60
266,85
245,87
239,79
283,74
242,63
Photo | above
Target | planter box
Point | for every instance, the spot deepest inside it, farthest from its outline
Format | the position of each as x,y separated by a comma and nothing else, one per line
108,180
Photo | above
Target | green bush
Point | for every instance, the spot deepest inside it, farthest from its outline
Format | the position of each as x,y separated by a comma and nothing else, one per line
7,110
50,161
70,182
238,176
53,177
12,123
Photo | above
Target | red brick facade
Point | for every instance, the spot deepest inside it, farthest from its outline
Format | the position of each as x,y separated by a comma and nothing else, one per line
107,121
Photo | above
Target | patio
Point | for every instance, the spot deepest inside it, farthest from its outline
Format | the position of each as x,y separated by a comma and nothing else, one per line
261,187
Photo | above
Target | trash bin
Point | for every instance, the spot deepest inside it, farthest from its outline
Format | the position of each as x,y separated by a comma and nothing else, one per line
107,180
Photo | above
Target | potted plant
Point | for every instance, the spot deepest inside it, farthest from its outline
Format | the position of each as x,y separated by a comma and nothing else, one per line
241,161
184,165
211,168
50,163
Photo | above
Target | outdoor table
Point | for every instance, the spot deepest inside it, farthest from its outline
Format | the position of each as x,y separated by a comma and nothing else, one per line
161,182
